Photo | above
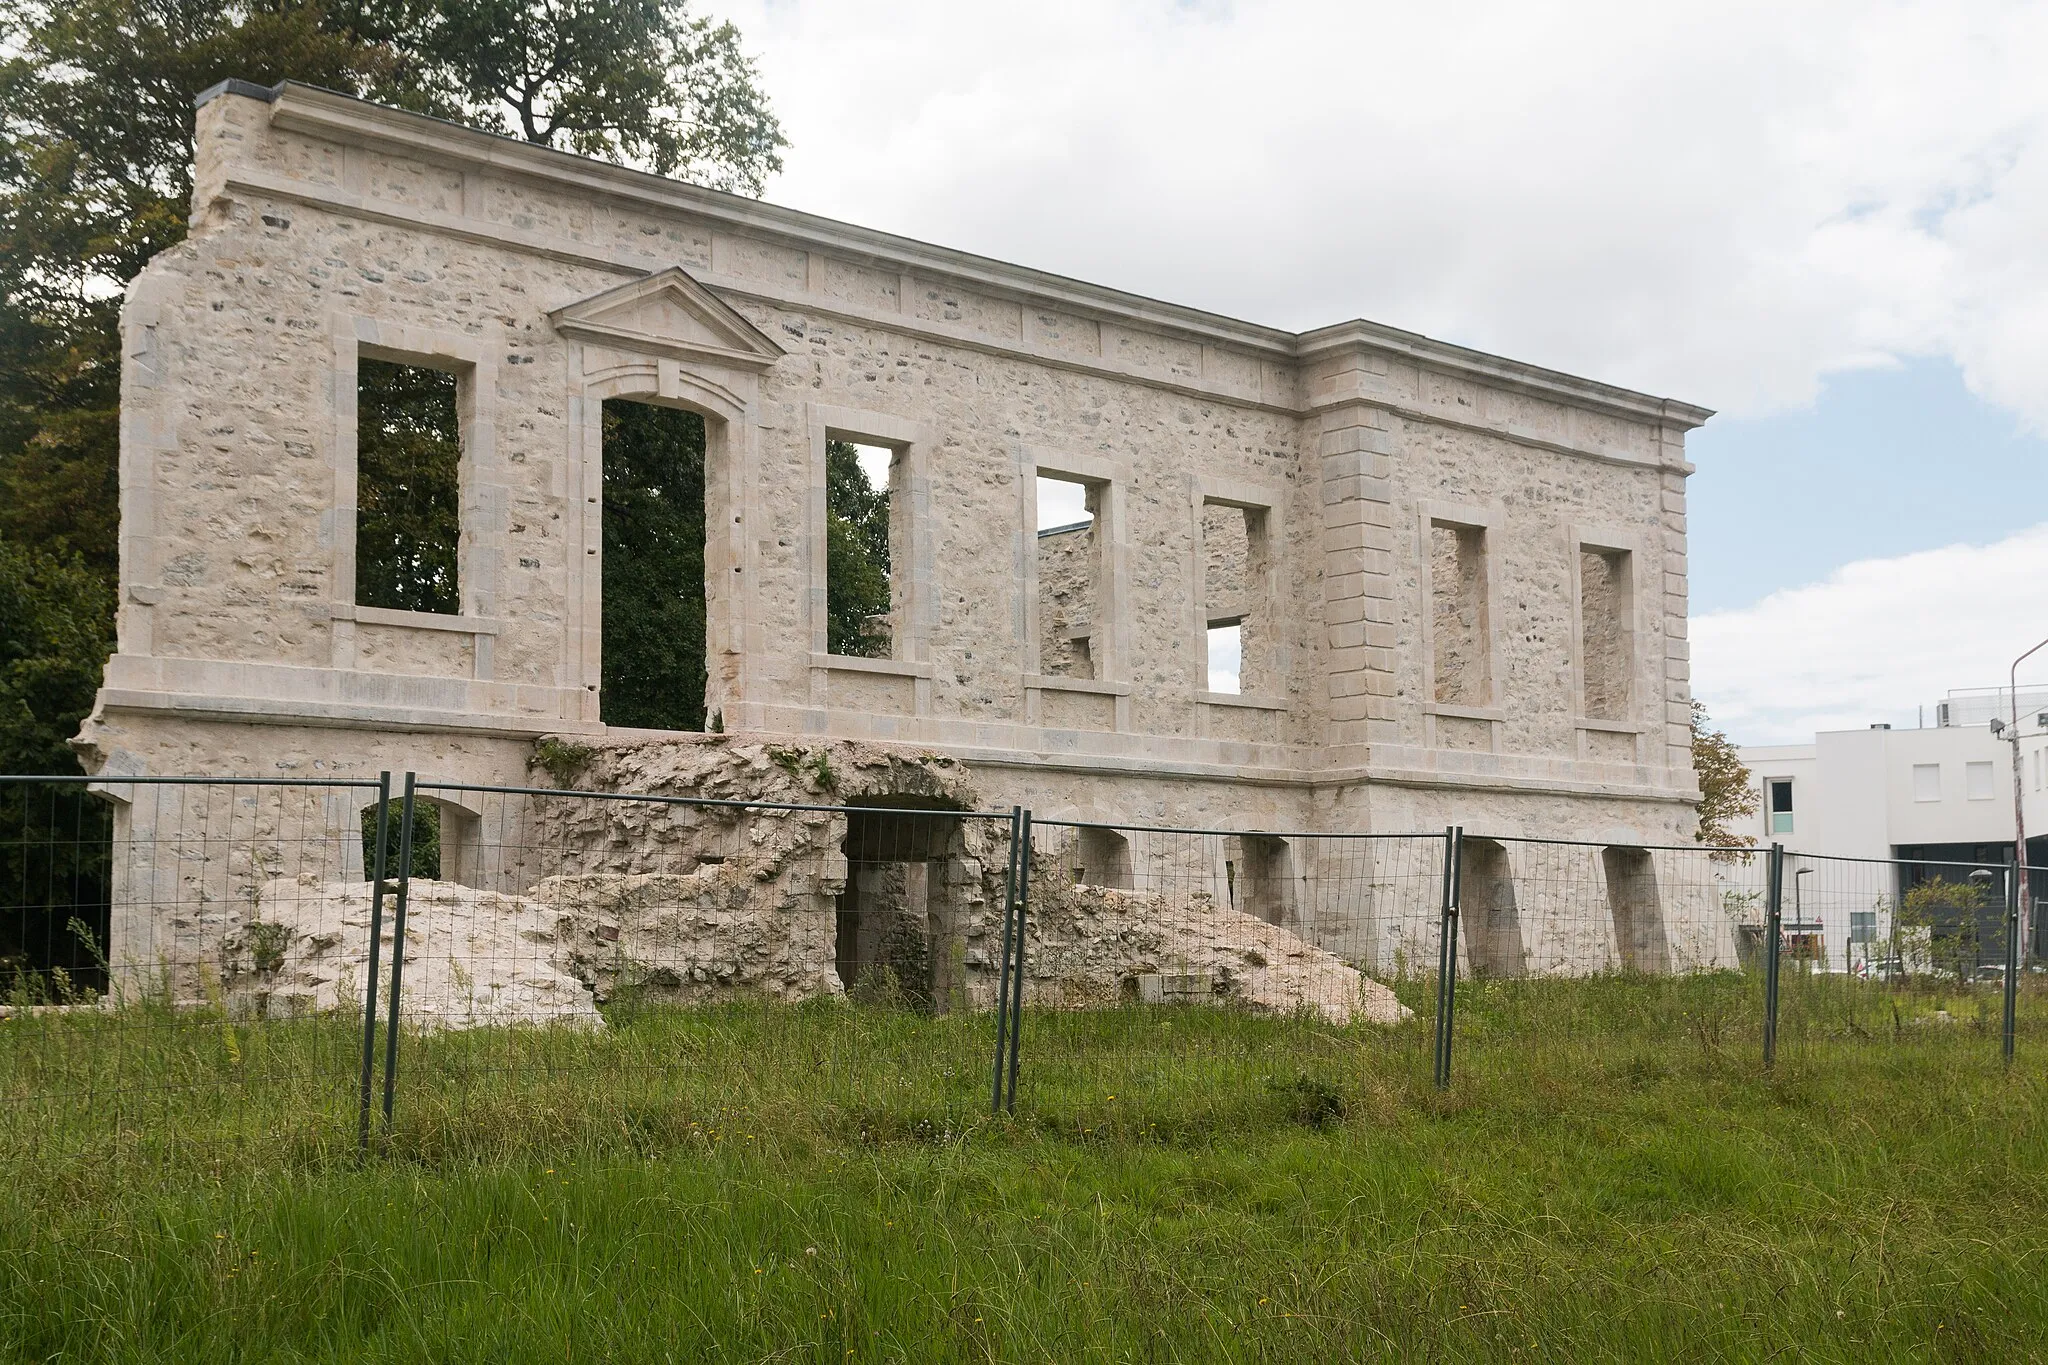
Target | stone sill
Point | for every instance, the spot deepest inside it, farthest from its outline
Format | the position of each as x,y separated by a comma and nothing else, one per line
1249,700
854,663
1054,682
1611,727
415,620
1456,712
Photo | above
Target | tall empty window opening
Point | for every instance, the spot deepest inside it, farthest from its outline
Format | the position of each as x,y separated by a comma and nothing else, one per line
654,590
1069,578
408,488
859,487
1606,642
1459,629
1233,570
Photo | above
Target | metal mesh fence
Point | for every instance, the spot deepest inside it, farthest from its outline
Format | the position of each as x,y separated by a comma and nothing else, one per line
152,998
216,965
582,967
1576,955
1908,952
1243,963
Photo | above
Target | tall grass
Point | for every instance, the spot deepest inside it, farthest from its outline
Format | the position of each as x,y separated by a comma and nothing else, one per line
1611,1176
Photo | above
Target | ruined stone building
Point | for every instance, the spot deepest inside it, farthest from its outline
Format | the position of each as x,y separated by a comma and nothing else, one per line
1452,586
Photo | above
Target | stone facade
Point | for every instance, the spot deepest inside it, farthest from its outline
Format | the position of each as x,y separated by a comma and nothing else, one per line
325,230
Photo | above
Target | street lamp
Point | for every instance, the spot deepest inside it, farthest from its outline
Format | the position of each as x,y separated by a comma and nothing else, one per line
2019,817
1799,919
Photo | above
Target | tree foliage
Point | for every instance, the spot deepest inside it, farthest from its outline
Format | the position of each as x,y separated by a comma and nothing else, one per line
54,616
856,557
654,668
408,463
426,838
639,81
1948,922
1727,791
53,635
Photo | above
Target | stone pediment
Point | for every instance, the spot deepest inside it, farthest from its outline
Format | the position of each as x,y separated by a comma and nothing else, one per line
668,314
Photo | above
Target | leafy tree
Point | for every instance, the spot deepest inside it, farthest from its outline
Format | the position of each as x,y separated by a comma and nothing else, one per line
639,81
1948,919
1727,791
53,636
53,841
856,556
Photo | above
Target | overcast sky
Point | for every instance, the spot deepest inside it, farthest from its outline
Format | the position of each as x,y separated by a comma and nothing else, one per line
1828,221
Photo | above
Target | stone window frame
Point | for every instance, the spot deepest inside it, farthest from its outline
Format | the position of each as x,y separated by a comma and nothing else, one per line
1488,519
478,554
1269,501
1579,538
910,539
1111,645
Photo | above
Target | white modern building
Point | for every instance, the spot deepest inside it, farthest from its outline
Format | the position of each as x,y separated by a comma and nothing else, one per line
1935,801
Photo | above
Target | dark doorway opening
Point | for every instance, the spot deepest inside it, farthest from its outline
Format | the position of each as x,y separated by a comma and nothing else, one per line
895,928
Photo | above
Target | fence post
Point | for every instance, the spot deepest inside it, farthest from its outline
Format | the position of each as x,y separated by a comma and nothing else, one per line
2012,957
370,986
1017,977
1774,933
995,1103
402,893
1447,950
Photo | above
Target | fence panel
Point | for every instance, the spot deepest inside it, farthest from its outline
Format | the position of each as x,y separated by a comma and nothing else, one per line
586,968
1906,952
188,963
182,965
1576,956
1172,975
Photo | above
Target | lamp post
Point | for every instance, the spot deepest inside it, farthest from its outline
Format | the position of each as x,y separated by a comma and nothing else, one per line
1799,921
2019,817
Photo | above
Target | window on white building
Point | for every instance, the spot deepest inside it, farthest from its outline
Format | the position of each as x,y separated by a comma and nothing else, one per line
1778,802
1927,782
1977,781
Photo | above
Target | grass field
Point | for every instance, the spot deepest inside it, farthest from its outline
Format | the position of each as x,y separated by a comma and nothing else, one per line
1611,1177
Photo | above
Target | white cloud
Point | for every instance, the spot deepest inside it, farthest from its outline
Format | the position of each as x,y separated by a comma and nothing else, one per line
1718,202
1874,641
